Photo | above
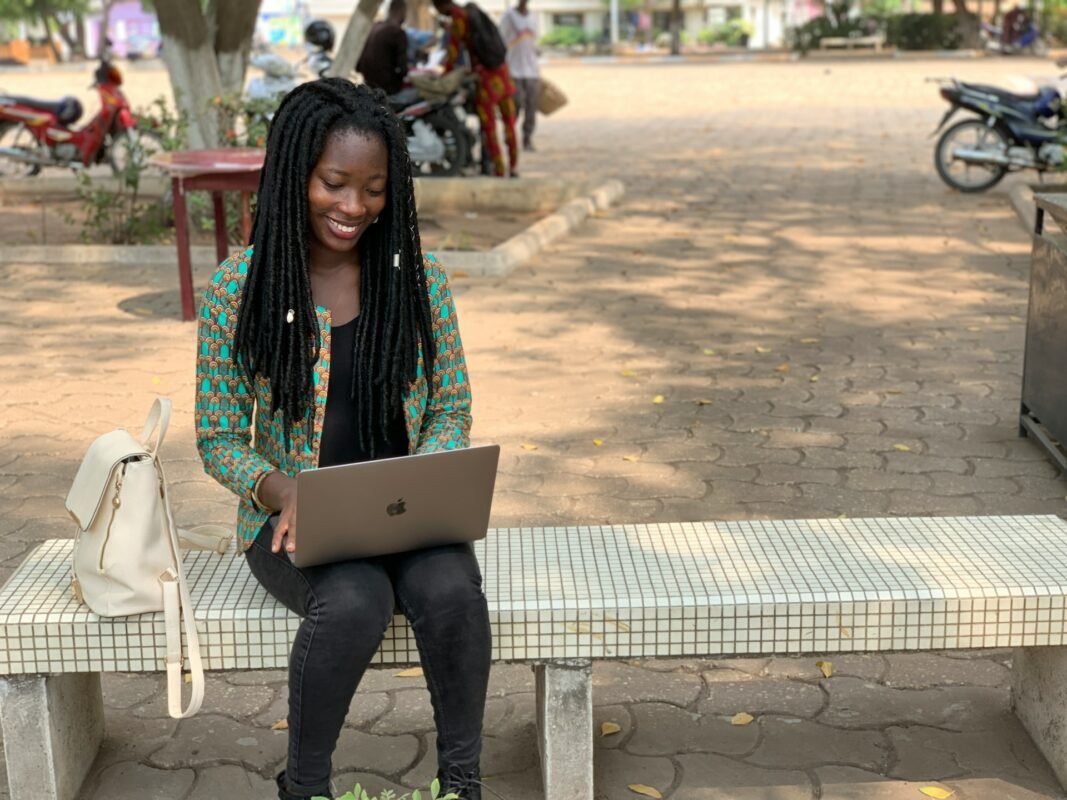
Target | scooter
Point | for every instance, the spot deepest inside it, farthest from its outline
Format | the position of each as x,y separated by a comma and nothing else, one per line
1010,132
433,114
1029,40
38,133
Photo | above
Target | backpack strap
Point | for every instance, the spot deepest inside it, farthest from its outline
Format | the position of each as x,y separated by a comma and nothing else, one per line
158,421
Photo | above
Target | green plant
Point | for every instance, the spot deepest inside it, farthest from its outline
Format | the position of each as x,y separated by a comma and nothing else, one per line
732,33
924,31
565,36
359,793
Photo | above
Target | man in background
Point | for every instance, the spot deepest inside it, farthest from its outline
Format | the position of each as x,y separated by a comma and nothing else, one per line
519,29
384,61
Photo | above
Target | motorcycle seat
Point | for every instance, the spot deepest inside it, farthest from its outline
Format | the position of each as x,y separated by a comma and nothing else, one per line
1006,96
403,99
67,111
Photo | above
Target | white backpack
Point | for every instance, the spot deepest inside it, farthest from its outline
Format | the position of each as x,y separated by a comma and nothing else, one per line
127,558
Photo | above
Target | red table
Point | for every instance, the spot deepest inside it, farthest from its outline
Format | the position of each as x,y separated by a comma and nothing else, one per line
226,169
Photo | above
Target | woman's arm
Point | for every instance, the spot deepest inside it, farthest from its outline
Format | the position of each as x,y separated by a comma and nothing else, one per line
447,422
225,398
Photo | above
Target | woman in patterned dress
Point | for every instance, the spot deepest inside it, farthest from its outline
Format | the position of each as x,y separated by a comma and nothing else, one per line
335,340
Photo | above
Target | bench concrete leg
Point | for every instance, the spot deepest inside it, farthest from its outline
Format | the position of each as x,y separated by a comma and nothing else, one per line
565,728
1039,697
52,726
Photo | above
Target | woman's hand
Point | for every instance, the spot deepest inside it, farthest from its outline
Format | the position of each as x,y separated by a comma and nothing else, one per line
279,491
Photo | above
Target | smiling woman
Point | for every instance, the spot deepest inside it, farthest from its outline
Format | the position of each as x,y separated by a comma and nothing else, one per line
339,340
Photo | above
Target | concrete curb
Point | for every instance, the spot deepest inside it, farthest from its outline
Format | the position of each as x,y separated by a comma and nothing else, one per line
499,261
519,249
1022,200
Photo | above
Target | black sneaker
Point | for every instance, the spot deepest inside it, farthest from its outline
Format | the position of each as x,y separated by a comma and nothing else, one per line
527,144
466,783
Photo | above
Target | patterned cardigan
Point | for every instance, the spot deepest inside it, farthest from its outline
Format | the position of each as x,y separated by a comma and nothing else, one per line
229,405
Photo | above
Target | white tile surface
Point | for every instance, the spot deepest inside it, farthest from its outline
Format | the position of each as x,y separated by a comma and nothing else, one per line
700,589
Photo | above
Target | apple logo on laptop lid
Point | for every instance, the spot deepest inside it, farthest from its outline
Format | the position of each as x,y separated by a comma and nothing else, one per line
396,509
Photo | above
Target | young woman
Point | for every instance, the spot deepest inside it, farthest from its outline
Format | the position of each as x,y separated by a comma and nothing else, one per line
339,340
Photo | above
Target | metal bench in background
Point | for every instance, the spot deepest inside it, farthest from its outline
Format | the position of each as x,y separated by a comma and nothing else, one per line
560,597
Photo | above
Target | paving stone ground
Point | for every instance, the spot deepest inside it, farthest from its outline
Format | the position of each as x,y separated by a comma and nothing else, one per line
832,332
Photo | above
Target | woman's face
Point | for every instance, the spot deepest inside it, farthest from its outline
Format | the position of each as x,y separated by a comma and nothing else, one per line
346,192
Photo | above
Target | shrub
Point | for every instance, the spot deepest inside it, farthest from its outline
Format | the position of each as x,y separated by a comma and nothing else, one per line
663,39
924,32
807,36
732,33
565,36
1054,23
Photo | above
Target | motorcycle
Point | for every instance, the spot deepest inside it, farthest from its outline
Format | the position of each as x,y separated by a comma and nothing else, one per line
1028,40
434,117
1010,132
38,133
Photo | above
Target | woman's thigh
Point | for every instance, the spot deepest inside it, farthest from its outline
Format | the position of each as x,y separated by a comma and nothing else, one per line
432,577
345,586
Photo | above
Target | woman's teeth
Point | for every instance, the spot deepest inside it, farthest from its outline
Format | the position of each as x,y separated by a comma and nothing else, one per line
343,228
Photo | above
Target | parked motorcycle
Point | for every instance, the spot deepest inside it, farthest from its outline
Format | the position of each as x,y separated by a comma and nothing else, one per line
1010,132
433,113
1028,40
37,133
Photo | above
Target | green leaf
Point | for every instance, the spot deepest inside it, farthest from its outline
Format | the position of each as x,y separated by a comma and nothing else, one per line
435,789
416,795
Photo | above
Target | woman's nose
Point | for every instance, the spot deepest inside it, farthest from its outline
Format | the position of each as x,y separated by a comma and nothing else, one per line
353,204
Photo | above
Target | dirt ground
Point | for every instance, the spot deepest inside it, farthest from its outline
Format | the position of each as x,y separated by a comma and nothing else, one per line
59,219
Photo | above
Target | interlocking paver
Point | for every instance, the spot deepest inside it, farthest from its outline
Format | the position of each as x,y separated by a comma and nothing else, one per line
791,207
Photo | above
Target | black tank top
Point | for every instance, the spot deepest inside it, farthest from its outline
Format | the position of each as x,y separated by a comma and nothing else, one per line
340,431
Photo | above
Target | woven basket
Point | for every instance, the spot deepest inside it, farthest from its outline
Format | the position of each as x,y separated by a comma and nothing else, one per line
552,98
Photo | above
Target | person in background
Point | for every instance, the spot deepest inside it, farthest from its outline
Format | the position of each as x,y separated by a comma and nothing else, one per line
384,61
496,90
519,29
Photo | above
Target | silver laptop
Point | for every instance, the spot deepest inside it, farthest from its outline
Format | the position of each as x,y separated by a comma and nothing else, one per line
395,504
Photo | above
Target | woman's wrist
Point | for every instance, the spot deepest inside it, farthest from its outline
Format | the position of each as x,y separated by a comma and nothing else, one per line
272,490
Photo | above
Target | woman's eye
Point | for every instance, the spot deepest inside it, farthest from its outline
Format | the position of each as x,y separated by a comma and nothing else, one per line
330,186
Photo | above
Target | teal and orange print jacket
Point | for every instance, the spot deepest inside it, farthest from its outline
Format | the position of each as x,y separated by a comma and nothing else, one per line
230,403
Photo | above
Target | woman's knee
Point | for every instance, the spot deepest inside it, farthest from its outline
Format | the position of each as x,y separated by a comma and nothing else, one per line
352,604
442,584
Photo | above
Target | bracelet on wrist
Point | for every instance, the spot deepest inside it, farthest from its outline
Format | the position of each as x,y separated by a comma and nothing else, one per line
255,494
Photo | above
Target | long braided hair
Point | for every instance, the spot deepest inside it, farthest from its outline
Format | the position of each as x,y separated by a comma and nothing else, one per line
394,307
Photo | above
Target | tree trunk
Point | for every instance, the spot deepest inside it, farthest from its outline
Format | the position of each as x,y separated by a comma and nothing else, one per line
939,7
356,33
102,47
206,56
189,54
969,25
51,39
676,27
64,34
233,30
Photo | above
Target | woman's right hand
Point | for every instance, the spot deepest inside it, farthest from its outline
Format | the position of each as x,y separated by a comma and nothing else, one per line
278,490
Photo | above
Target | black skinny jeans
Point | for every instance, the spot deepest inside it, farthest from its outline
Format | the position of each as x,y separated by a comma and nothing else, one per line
346,608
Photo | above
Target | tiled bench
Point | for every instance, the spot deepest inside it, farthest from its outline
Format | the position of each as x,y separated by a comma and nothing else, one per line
559,597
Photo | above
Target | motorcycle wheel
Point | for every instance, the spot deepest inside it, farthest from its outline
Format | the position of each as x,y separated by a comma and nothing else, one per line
960,175
457,152
133,148
18,137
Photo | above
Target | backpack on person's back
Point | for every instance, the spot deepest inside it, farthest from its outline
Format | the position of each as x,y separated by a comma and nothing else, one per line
486,44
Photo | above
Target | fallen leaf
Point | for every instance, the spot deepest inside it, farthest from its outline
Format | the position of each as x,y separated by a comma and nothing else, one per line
742,718
783,367
813,379
809,340
846,633
702,402
762,349
631,458
598,442
141,312
1014,318
628,373
188,677
410,672
842,516
936,791
647,791
156,381
658,399
458,274
974,328
528,446
826,667
708,351
609,728
280,725
903,448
